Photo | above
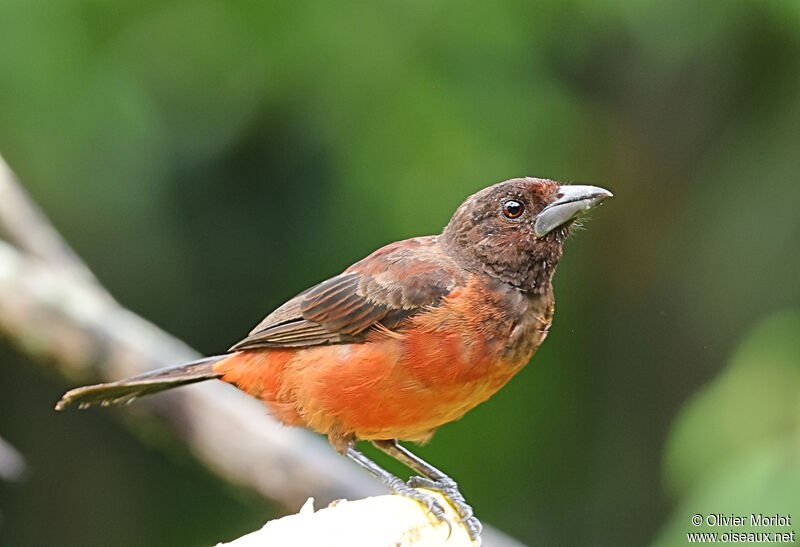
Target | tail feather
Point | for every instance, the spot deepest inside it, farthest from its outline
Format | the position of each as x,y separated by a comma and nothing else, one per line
125,391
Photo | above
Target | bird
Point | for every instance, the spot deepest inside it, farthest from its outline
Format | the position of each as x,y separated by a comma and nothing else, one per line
405,340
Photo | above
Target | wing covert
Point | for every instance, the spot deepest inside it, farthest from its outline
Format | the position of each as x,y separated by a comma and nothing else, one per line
390,285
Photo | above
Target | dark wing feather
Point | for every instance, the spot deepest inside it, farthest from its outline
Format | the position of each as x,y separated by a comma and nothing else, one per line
387,287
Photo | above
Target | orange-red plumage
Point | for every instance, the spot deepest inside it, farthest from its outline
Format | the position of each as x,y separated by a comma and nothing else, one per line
397,384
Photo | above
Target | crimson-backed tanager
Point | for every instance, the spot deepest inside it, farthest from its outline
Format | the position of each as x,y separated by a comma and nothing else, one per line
405,340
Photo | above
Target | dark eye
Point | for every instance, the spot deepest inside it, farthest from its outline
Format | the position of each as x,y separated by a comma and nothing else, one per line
512,208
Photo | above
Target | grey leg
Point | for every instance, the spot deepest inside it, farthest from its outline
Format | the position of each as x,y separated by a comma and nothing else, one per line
433,479
396,485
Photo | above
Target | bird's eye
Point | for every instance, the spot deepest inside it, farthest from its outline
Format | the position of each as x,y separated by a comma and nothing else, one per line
513,208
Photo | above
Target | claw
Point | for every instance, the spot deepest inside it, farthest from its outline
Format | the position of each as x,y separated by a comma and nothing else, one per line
431,479
449,489
430,503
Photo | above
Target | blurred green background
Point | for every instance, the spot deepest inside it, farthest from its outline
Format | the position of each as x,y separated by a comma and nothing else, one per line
211,159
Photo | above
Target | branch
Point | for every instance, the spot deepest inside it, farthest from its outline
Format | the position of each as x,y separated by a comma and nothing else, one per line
53,308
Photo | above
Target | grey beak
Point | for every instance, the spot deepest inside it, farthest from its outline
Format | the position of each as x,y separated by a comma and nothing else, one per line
572,202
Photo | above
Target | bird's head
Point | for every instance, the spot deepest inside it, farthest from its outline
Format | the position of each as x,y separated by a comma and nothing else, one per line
515,230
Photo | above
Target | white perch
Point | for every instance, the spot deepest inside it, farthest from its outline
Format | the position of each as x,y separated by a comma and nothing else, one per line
381,521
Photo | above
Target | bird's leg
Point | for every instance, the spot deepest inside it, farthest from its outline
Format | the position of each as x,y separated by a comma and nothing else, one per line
396,484
433,479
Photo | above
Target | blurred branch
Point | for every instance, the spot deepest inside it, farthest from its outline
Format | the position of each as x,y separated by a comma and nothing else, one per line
53,308
383,521
12,464
28,228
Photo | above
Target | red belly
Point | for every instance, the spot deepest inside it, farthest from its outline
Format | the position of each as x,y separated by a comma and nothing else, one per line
389,387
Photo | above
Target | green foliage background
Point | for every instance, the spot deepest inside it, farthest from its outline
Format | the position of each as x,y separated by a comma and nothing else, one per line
210,159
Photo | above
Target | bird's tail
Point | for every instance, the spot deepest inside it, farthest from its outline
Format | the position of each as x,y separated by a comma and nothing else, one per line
127,390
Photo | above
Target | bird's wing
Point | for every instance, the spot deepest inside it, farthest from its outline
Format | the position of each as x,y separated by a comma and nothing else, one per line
390,285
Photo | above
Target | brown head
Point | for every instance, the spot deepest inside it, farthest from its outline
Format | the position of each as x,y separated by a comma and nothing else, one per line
514,230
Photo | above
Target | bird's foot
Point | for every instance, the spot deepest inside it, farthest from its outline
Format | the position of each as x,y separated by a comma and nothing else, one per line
449,489
430,503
